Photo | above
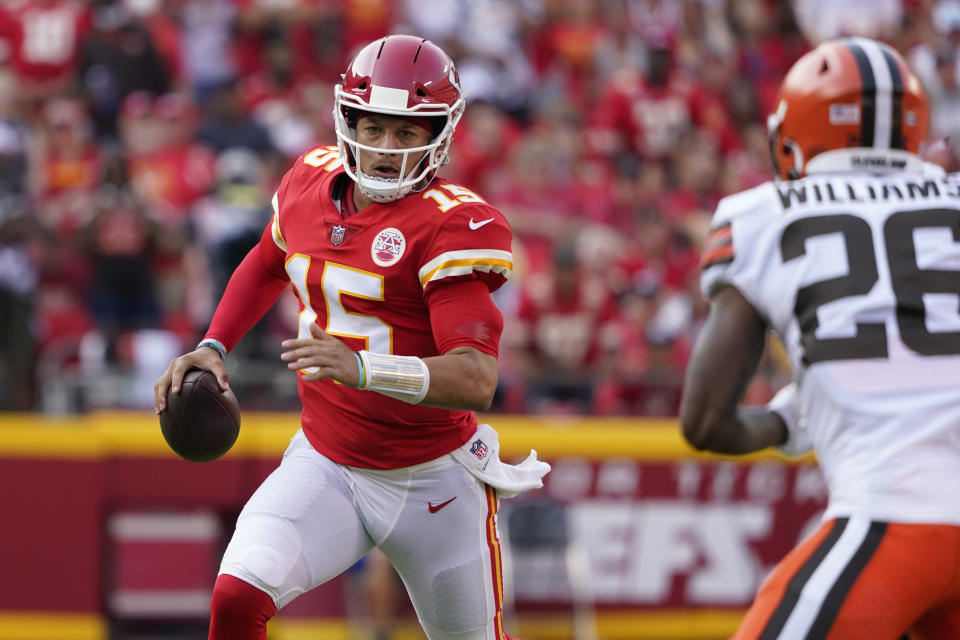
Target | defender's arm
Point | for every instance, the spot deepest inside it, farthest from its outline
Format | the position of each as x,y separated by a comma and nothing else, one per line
724,360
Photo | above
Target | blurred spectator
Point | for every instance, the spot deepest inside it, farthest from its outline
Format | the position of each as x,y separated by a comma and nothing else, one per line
562,316
309,26
168,169
70,159
644,111
230,220
121,242
622,46
695,176
646,352
768,45
662,256
43,42
363,21
708,104
161,21
944,93
488,40
18,264
13,142
274,96
9,35
534,194
568,45
665,16
206,45
229,124
118,57
825,19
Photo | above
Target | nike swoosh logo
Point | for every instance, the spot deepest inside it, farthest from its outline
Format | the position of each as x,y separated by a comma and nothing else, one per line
476,225
436,507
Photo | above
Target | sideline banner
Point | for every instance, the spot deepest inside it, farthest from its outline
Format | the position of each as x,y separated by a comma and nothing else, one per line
673,534
671,543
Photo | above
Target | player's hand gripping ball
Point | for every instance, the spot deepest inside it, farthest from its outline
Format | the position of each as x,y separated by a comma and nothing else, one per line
201,422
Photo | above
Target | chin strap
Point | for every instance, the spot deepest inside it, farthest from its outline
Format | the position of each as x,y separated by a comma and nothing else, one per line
392,191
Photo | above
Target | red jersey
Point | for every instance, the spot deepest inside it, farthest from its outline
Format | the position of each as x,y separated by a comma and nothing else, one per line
564,330
367,279
47,37
649,119
173,177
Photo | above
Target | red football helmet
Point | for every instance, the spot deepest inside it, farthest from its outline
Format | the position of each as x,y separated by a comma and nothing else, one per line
398,76
851,104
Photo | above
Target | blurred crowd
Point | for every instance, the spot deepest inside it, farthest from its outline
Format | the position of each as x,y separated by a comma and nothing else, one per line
141,142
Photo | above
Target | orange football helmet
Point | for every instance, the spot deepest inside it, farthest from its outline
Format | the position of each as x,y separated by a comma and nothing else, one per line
851,104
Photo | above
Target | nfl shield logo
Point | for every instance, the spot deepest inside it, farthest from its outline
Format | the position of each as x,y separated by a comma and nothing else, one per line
336,235
478,449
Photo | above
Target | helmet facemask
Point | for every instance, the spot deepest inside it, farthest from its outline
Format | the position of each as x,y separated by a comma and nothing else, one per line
412,176
781,146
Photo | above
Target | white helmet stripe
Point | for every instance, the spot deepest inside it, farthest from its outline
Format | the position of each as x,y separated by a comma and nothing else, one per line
896,134
388,98
868,93
883,125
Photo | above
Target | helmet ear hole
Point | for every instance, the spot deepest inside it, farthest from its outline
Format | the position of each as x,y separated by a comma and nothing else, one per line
824,67
421,92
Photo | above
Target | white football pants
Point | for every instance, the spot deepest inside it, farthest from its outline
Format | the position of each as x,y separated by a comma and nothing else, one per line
312,518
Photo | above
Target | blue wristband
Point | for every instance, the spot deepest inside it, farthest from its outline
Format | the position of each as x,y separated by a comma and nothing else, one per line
362,374
216,345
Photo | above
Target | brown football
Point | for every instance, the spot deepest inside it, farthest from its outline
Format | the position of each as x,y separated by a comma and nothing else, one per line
201,422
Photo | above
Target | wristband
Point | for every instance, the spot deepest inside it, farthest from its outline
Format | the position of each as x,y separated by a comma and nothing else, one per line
362,376
786,404
402,377
216,345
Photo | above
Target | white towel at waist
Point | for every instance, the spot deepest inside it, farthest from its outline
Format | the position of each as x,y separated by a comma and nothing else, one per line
481,457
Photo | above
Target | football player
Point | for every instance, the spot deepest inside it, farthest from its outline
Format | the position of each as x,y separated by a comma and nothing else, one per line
853,257
397,347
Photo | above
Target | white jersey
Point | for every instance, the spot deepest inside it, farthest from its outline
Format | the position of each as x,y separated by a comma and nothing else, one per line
860,276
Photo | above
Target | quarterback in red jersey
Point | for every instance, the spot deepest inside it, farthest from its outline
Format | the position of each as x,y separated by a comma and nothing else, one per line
396,347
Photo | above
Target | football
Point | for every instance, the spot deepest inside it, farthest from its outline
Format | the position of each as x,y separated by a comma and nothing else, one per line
201,422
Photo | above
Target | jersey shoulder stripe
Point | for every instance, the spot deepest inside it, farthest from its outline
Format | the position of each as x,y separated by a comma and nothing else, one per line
733,249
718,247
278,238
465,261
